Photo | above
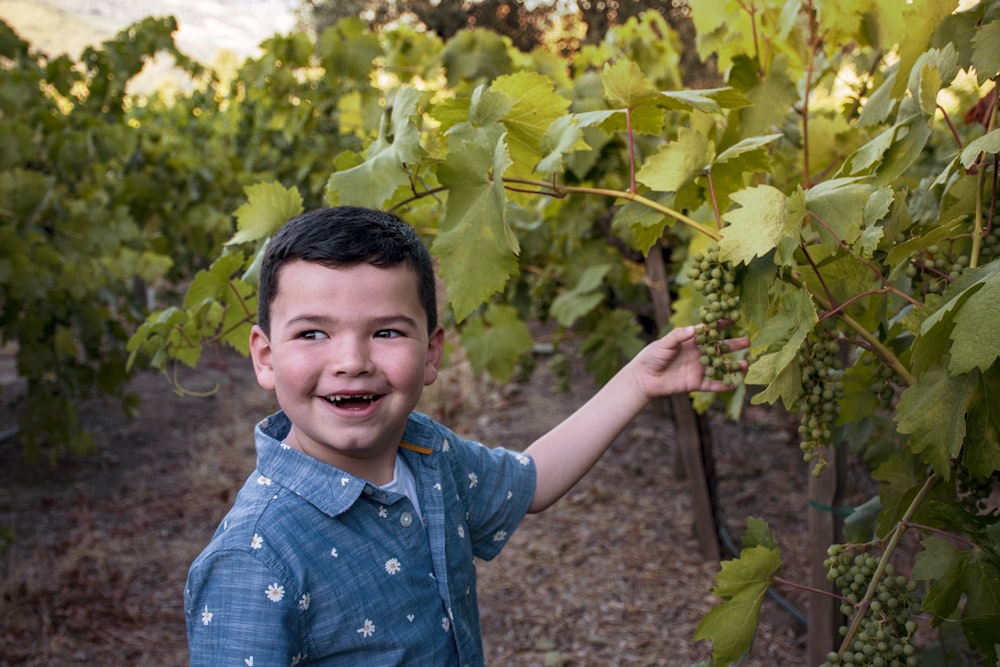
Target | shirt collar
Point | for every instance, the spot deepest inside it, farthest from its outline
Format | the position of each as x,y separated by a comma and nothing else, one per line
329,488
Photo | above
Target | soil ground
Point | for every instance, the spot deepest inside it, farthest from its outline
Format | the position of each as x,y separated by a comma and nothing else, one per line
610,575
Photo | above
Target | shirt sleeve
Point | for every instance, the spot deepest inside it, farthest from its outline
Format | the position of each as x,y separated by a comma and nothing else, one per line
498,486
239,612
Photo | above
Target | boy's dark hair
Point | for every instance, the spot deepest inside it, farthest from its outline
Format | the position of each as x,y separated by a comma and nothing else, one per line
344,236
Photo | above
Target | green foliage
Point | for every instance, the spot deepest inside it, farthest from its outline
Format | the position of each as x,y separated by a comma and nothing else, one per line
846,170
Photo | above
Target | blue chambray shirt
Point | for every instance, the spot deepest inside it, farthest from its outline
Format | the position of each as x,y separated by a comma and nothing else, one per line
314,566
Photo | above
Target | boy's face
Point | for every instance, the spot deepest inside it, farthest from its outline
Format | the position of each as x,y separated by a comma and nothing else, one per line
348,357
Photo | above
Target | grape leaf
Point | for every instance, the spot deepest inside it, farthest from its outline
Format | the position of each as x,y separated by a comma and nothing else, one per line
476,248
981,451
933,412
348,49
742,584
474,55
757,226
678,162
941,564
536,106
758,534
965,317
988,143
770,101
709,100
880,105
562,137
211,284
748,145
495,341
921,19
840,206
268,207
986,51
626,86
582,298
954,573
781,337
976,336
374,181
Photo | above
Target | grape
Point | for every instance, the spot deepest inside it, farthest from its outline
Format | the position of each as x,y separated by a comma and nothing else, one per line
818,404
716,281
886,632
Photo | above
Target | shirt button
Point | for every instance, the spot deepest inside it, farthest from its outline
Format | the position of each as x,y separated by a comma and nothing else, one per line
405,519
369,490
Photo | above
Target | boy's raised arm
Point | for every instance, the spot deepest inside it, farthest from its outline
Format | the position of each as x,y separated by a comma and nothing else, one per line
666,366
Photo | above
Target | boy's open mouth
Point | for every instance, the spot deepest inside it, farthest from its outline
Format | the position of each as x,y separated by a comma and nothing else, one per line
353,402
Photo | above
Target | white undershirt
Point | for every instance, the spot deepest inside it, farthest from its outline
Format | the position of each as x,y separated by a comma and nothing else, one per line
403,482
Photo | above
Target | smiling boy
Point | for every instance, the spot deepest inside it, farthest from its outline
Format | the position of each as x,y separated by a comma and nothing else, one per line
353,541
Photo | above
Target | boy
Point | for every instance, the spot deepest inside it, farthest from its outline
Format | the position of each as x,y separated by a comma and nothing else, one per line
353,541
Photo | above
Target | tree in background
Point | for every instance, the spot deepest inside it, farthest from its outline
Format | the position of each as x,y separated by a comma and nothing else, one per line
570,23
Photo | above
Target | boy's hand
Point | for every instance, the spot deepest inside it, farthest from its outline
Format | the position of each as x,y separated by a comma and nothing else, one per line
671,365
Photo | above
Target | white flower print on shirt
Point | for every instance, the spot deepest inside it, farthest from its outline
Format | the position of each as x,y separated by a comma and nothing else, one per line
304,601
461,531
393,566
334,553
367,630
522,459
264,481
473,479
500,536
383,512
275,592
206,616
446,624
248,661
257,542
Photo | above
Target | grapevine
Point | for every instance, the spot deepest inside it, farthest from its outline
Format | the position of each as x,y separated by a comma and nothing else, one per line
716,281
886,632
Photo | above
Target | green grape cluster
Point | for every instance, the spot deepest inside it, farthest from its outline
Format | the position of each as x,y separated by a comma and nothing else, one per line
819,403
934,269
884,383
716,281
972,491
885,635
991,245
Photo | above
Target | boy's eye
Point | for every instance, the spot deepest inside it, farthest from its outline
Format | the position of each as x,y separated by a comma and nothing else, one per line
311,334
388,333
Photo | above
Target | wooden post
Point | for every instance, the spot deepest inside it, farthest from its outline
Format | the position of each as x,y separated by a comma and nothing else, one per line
694,450
826,527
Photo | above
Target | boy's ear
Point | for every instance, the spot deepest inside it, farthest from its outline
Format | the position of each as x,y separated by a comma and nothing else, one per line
435,350
260,353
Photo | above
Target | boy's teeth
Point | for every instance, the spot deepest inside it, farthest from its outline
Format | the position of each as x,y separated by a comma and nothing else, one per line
339,399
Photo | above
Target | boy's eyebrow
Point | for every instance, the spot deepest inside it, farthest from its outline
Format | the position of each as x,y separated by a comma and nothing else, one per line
376,322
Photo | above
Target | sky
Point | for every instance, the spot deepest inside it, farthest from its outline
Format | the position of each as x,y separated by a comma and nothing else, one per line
204,26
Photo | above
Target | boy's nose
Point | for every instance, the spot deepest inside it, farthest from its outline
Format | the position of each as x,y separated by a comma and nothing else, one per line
352,357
